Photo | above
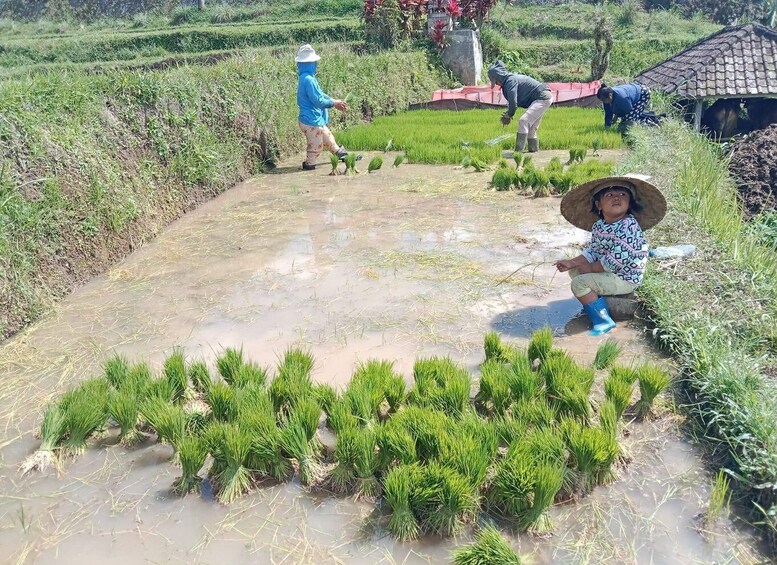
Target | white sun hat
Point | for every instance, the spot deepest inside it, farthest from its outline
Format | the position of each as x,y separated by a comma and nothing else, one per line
306,54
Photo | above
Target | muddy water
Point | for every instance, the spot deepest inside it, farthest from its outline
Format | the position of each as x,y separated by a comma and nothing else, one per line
401,263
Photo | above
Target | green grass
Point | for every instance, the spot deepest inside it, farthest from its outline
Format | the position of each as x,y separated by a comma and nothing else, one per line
437,137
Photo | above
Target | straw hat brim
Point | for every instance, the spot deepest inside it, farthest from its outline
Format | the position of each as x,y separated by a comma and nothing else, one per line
576,204
307,58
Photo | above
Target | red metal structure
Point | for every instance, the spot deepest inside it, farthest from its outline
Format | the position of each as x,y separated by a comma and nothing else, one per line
466,97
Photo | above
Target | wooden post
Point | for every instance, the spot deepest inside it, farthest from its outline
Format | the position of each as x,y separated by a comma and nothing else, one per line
697,115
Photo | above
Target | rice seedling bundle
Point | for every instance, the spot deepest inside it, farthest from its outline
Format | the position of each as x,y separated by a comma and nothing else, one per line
233,478
293,381
528,163
326,396
652,380
396,445
366,463
340,416
554,166
492,345
343,476
115,370
596,145
124,408
512,487
540,344
447,500
398,160
428,427
608,418
479,165
350,164
389,146
200,377
541,184
534,411
253,399
249,374
295,443
442,385
562,182
334,159
557,369
503,179
229,362
548,480
494,389
265,457
606,354
482,430
161,389
394,388
518,158
502,163
398,487
86,413
592,454
626,374
306,413
467,456
490,548
174,371
364,403
192,454
221,398
510,428
52,431
375,164
168,420
138,379
523,381
618,391
466,162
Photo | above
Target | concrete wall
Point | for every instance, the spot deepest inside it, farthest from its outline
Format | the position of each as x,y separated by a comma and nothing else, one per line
463,56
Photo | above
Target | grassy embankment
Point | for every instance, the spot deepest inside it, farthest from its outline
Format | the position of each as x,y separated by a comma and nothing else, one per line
554,43
716,312
94,164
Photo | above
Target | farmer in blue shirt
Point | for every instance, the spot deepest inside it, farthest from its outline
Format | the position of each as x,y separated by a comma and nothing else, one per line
627,102
313,109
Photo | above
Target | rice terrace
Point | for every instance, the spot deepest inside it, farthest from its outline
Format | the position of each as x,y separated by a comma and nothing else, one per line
231,339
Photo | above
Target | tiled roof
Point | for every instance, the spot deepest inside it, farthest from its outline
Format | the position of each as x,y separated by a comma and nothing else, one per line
736,61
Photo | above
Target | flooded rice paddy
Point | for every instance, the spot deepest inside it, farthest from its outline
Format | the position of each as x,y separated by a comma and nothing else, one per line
398,264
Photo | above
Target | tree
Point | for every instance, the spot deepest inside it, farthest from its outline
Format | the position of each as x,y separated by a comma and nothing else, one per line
603,44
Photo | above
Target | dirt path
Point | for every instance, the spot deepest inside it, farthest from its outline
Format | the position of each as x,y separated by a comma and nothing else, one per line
397,264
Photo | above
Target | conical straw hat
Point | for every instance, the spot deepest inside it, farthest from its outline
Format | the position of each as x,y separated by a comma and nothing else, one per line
577,203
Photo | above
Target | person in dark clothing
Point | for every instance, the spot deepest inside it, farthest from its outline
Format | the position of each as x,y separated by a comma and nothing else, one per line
627,102
524,92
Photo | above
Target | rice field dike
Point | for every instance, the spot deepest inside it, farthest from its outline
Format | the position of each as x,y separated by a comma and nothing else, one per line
716,313
436,458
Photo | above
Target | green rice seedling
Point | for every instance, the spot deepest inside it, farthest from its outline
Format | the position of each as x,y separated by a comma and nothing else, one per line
554,166
592,454
541,184
494,390
509,428
325,396
334,160
293,381
229,363
252,399
366,463
375,163
453,397
307,413
52,432
502,164
160,388
606,354
86,413
528,163
608,418
466,162
480,165
340,417
115,370
174,371
540,344
138,379
264,457
350,164
200,377
364,403
625,374
492,345
441,384
618,391
652,380
294,442
518,158
720,498
342,478
249,374
557,369
396,446
596,145
398,160
472,425
221,398
548,481
585,377
427,427
398,488
455,500
512,486
503,179
394,390
534,411
389,146
489,548
196,422
564,183
296,362
233,479
167,419
467,456
192,454
124,408
524,383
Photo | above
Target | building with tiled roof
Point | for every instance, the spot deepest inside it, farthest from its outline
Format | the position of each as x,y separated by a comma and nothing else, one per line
736,62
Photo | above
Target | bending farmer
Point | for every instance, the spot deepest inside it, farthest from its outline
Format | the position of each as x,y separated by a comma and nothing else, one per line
616,210
627,102
525,92
313,109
